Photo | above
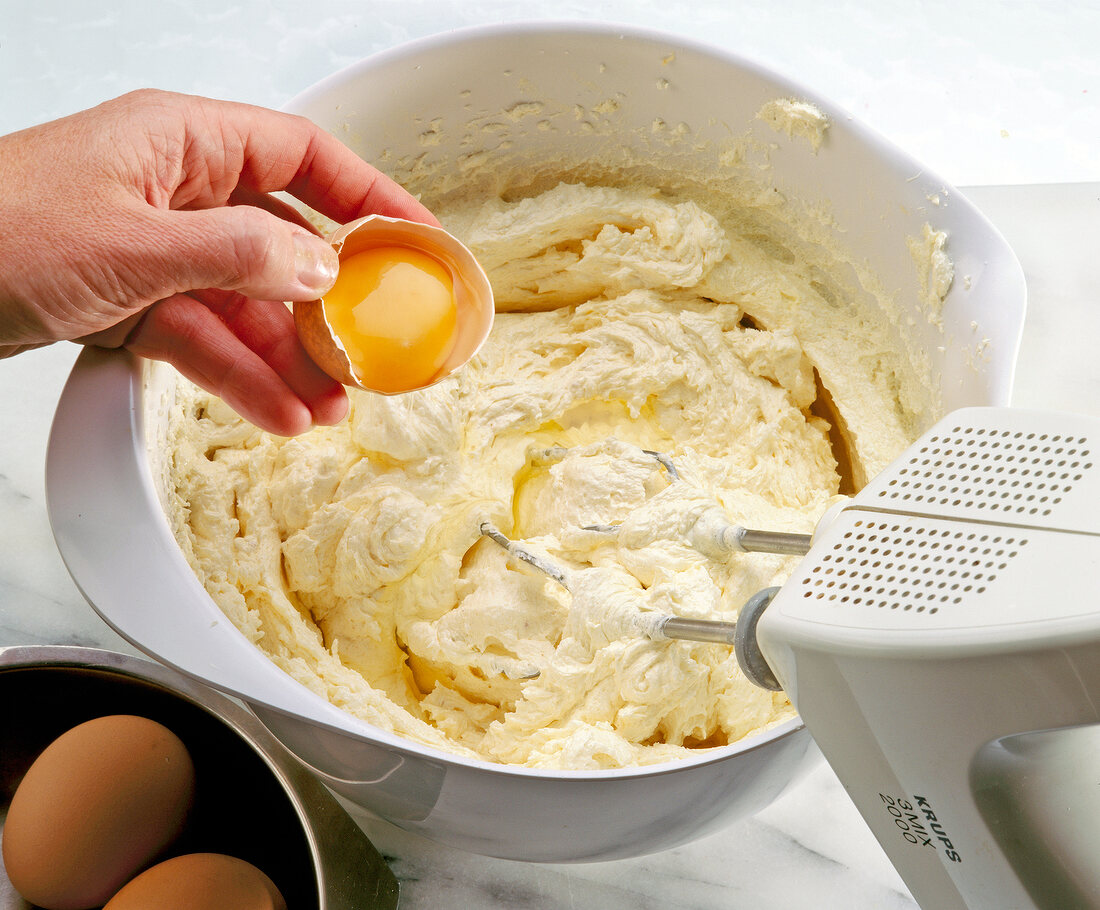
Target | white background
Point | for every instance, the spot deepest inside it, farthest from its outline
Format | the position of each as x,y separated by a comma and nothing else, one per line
981,92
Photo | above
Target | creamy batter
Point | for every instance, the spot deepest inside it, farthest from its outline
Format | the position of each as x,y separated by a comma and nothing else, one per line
628,320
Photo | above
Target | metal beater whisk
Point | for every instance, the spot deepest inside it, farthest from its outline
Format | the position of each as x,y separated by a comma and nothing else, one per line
714,540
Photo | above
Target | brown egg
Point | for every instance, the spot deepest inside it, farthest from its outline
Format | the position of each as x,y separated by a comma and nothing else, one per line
200,881
410,306
101,801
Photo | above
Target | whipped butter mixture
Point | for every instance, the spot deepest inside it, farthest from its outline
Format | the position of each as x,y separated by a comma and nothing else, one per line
629,320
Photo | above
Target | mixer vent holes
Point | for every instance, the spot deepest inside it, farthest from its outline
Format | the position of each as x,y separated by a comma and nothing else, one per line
914,569
995,471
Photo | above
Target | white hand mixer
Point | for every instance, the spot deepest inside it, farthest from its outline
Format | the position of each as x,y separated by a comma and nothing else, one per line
941,641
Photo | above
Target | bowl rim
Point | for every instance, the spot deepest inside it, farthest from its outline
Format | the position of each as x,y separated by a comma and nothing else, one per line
184,687
623,31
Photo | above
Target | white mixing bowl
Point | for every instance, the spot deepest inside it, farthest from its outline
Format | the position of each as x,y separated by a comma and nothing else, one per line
443,102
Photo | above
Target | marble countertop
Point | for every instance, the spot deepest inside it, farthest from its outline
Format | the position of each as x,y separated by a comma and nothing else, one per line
809,849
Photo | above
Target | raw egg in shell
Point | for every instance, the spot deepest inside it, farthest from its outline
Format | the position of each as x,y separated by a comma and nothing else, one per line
200,881
410,306
101,801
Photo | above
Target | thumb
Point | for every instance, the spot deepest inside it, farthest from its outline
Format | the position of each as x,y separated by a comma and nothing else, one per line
245,249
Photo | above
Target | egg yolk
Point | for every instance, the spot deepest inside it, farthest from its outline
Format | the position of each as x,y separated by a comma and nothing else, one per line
393,308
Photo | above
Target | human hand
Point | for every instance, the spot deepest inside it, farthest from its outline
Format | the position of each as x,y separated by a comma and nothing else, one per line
147,223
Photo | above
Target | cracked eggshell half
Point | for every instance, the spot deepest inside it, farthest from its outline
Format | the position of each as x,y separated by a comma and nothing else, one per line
473,298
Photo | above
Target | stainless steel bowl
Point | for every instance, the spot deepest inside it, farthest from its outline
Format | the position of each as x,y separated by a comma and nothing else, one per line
253,800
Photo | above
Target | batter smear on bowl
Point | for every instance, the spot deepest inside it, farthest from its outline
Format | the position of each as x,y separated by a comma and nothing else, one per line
628,320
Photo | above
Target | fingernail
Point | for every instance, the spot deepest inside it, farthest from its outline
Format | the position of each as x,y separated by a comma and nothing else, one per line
316,262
